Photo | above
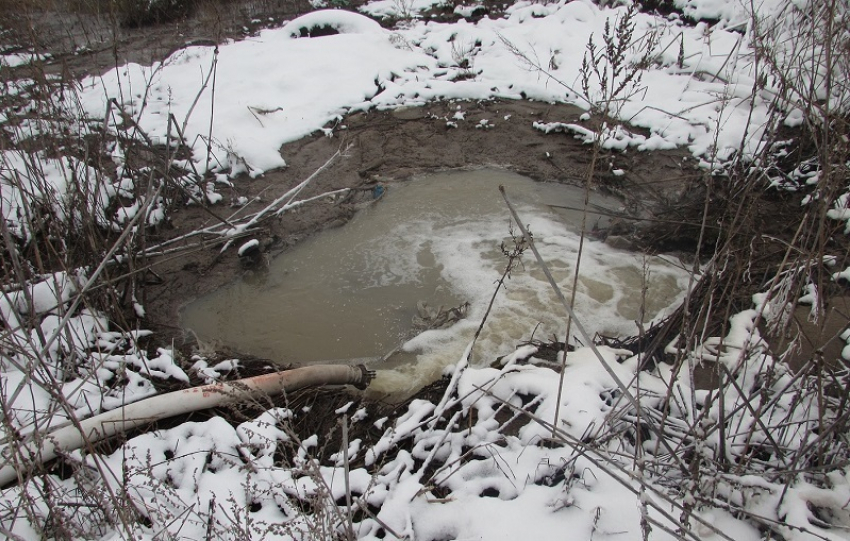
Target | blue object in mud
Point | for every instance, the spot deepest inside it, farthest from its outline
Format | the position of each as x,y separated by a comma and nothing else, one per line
378,191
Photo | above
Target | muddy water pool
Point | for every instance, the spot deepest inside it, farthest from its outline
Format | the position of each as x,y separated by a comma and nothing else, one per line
352,292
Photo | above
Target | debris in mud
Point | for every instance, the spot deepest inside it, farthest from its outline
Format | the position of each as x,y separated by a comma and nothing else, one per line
429,317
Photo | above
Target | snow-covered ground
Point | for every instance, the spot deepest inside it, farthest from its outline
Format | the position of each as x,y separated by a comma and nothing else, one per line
458,468
699,90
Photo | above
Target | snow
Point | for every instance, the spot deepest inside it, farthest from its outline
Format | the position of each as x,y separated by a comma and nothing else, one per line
298,94
344,22
398,9
53,182
13,60
247,247
212,373
609,138
162,366
840,211
842,275
46,295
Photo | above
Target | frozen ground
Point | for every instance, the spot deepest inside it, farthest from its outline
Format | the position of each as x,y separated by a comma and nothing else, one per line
466,465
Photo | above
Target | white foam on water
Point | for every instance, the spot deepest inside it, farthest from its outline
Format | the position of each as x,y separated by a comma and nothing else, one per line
608,299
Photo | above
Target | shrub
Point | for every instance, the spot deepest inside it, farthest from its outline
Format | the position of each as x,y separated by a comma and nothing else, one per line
136,13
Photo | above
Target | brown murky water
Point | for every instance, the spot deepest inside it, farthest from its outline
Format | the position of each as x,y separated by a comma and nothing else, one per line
352,292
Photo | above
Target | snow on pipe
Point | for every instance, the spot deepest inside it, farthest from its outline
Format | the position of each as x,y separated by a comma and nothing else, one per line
105,425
